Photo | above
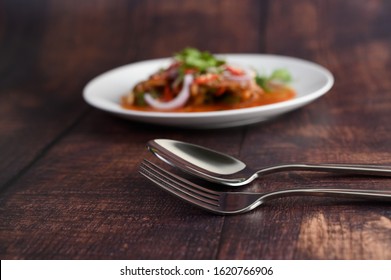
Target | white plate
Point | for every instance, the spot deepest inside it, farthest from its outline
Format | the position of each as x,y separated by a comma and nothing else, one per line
310,81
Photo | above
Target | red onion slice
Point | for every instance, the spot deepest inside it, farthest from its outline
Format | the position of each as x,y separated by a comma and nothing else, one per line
177,102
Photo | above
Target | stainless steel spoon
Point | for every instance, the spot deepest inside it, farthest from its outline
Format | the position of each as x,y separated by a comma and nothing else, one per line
227,170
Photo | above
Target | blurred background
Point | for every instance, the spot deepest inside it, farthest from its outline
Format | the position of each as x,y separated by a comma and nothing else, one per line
66,168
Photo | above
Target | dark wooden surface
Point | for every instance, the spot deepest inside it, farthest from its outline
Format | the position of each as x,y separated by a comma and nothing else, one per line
69,186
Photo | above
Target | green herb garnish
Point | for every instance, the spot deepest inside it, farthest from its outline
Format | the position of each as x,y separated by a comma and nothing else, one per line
191,58
281,76
139,99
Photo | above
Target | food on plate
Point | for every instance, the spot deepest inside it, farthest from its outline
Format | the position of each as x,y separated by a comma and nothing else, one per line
197,81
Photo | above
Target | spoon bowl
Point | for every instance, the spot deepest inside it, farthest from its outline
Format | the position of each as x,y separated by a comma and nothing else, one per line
224,169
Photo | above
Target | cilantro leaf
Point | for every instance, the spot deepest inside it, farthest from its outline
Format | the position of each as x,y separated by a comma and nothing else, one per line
281,76
192,58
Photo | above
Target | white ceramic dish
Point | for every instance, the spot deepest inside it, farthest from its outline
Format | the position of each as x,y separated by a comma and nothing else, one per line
310,81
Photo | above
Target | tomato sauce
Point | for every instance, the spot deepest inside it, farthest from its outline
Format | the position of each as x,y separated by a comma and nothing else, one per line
278,94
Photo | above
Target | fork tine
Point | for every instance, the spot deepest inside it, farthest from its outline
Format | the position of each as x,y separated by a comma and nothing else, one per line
181,193
181,188
195,188
172,179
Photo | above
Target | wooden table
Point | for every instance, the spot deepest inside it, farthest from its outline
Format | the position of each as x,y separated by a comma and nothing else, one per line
69,181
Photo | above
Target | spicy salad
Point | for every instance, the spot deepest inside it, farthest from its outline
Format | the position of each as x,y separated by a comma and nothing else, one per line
197,81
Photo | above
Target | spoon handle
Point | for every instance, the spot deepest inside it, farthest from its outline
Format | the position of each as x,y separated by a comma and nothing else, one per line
336,168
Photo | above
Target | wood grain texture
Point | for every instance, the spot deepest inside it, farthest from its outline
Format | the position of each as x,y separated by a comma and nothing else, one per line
69,182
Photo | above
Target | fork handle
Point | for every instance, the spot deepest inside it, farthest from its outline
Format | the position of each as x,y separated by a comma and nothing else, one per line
338,168
343,193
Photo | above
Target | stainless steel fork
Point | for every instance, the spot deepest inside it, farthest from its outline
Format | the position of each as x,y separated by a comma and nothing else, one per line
240,202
